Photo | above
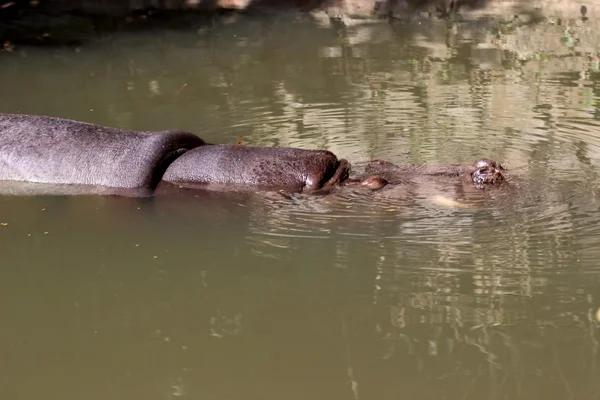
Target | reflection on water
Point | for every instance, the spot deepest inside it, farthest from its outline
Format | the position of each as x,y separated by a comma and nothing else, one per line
426,290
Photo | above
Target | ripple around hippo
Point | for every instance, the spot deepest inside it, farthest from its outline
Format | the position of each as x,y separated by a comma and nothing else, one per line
60,156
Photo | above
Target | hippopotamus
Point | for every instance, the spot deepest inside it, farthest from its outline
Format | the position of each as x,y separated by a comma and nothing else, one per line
47,155
237,167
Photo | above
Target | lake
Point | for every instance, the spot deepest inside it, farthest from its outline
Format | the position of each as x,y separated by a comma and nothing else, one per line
425,291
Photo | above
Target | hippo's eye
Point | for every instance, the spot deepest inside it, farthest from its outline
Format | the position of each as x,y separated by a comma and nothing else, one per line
487,175
487,162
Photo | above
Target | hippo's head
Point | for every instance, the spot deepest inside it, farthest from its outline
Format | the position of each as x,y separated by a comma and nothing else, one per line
487,172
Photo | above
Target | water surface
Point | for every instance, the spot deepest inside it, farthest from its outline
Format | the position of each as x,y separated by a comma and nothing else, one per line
425,291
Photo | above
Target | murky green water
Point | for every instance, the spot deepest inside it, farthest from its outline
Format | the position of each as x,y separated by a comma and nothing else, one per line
426,291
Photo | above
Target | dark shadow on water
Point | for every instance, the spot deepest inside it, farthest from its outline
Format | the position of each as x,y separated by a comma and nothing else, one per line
55,23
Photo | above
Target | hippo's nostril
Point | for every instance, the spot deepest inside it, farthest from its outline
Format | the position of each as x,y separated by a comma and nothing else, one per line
374,182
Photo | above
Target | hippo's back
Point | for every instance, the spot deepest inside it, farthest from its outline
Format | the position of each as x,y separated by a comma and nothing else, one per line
236,166
60,151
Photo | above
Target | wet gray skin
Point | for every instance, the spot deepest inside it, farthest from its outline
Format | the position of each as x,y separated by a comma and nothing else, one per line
57,151
45,155
240,168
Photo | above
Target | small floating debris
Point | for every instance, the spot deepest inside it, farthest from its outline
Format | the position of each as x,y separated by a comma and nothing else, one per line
4,223
155,257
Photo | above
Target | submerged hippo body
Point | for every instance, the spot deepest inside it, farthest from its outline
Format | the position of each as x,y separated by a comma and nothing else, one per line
55,151
482,173
236,167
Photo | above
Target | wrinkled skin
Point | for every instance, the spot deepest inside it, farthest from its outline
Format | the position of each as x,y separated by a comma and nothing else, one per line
236,167
56,151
